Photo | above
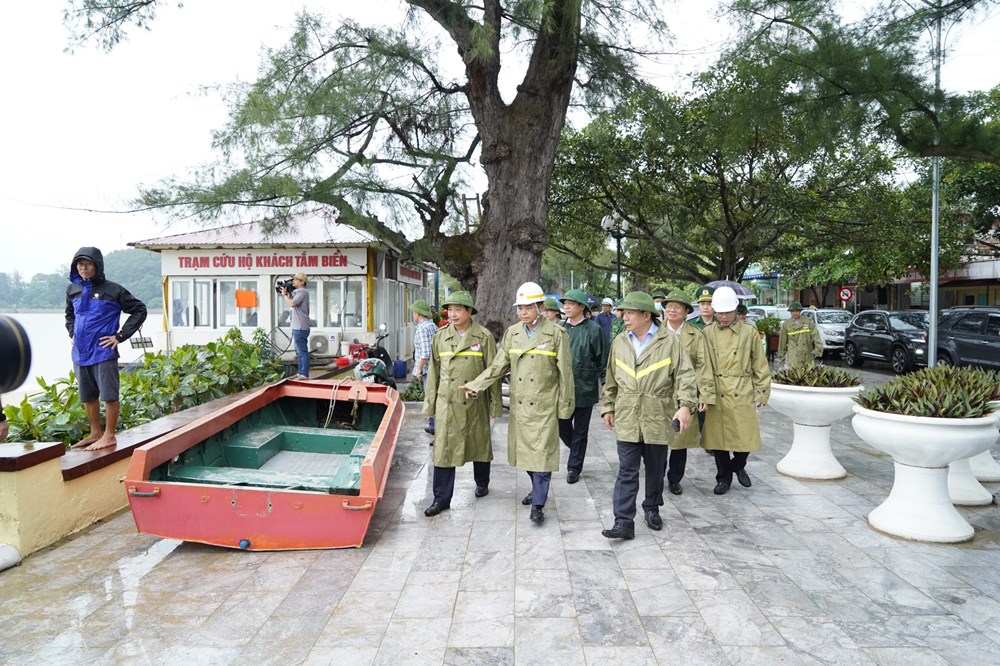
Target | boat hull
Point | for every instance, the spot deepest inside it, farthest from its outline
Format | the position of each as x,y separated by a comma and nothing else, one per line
257,518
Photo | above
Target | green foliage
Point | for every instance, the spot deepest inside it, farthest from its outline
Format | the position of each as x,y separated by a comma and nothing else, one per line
876,71
769,325
944,391
714,181
136,270
163,384
818,376
414,392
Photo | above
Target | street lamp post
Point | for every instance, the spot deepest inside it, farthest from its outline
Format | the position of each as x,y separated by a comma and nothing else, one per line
617,226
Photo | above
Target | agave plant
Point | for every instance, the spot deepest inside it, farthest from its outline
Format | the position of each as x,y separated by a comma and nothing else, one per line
817,376
944,391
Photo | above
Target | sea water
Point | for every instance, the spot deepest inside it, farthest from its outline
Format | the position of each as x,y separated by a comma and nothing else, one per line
51,348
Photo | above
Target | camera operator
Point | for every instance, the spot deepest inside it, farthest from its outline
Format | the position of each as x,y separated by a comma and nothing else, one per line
298,301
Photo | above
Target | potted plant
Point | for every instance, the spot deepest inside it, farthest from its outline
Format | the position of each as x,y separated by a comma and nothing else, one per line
982,465
770,327
813,398
925,421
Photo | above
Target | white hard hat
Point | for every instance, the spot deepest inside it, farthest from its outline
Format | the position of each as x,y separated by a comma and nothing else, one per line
724,300
529,293
607,301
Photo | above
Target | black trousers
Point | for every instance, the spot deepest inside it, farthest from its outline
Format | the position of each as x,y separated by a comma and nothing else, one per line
725,466
444,481
675,468
574,432
654,458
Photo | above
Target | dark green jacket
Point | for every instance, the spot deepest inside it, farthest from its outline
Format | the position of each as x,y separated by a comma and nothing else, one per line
590,360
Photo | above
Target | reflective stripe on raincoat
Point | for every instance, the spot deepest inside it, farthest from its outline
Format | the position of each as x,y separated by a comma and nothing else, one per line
645,392
541,392
461,425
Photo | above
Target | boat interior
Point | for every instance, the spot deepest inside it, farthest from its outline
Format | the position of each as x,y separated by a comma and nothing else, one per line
293,443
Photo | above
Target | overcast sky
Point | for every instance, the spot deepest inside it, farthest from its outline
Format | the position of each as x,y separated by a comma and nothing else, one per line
82,130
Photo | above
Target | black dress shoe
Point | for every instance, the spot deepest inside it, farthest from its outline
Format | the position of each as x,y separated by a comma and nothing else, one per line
536,515
435,509
527,500
620,531
572,477
675,488
743,478
653,520
721,488
482,491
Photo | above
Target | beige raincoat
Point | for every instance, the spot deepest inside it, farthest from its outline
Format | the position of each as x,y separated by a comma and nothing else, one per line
741,378
462,425
644,392
799,342
541,392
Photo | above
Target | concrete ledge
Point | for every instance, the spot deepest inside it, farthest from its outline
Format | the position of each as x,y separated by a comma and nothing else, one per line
47,492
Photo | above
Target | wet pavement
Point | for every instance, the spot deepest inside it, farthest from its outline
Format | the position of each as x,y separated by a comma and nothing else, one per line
784,572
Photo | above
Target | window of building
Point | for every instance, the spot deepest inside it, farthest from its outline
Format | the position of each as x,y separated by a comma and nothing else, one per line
230,314
202,303
343,303
180,303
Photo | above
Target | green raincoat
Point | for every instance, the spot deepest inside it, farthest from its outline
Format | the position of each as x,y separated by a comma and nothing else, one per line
541,392
590,357
741,378
462,425
799,342
617,326
693,343
643,393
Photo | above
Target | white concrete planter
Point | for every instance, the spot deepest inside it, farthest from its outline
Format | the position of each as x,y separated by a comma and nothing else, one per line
919,506
984,467
963,486
812,411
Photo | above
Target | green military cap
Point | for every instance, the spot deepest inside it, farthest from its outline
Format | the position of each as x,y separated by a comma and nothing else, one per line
679,297
421,307
639,300
704,294
550,304
659,294
741,309
795,306
460,298
576,296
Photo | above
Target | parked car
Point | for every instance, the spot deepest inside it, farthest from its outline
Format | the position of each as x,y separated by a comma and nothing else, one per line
897,337
831,323
761,311
969,336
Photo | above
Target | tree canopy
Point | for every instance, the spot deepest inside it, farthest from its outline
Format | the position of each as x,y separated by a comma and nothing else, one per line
389,124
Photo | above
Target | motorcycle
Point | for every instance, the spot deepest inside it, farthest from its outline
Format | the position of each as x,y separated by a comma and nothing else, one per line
374,361
373,371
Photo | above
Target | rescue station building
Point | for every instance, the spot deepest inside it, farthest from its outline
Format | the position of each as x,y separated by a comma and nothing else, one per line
216,279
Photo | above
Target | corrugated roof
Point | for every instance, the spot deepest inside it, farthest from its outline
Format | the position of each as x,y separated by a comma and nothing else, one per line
318,227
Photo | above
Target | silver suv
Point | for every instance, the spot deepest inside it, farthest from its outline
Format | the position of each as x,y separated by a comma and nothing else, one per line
831,323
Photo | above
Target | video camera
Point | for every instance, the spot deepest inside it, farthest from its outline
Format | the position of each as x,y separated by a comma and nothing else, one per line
284,285
15,354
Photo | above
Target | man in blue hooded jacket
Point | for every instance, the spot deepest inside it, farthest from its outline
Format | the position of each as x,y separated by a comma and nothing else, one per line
93,312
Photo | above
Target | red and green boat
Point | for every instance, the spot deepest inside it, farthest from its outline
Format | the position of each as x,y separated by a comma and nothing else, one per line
296,465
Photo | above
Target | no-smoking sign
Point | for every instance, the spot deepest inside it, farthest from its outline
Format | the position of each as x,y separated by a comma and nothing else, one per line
846,293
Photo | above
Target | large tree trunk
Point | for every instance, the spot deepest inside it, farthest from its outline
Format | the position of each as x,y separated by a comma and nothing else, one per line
519,143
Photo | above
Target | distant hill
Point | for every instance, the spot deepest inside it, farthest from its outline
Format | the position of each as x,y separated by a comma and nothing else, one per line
136,270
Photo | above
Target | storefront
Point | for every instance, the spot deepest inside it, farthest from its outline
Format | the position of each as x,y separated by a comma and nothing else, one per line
217,279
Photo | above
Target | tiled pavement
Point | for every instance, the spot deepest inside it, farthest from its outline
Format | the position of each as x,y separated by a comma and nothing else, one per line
785,572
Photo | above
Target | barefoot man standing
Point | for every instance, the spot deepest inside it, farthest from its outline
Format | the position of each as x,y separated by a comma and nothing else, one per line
93,310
